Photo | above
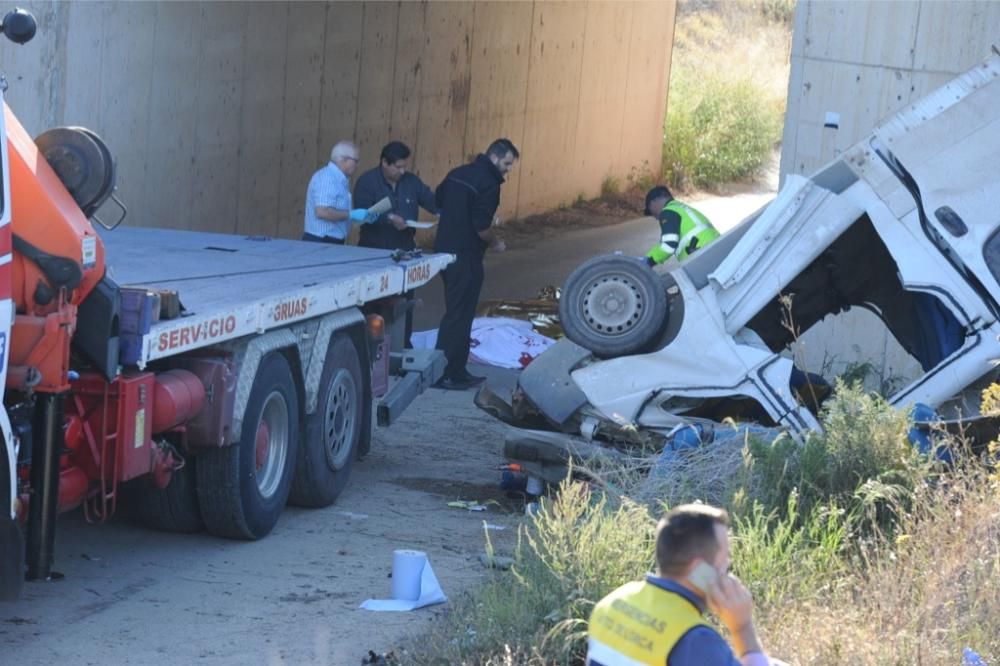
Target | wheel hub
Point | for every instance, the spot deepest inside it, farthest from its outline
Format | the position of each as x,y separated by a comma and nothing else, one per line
612,305
340,418
271,447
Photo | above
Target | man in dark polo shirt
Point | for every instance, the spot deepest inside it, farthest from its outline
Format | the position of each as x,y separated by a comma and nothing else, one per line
405,190
408,195
467,200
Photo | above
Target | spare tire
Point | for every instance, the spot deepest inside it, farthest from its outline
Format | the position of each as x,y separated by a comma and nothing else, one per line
613,305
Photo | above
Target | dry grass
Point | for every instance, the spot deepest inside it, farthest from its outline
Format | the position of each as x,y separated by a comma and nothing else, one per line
728,84
892,559
918,598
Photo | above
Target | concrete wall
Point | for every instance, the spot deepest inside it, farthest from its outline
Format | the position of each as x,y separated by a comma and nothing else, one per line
864,61
219,112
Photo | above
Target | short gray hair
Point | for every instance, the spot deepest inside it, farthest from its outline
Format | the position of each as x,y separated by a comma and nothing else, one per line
343,149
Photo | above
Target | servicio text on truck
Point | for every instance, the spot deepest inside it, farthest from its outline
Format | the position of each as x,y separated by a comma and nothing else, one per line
194,380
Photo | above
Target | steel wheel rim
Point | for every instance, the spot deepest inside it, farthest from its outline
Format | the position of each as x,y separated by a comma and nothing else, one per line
612,305
272,435
339,418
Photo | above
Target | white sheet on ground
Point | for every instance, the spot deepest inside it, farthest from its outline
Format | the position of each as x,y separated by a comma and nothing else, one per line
499,341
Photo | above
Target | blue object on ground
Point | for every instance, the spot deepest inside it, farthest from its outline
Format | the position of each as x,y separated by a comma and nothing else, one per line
921,434
692,436
971,658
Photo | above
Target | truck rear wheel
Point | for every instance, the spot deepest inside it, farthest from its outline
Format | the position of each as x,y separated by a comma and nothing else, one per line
171,509
333,431
243,488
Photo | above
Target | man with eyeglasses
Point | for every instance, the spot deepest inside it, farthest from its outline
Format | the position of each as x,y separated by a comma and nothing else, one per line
328,198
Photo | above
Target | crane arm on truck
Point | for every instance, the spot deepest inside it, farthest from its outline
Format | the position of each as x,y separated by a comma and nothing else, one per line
263,391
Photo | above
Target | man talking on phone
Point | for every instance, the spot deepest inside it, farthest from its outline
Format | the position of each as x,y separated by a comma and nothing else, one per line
661,620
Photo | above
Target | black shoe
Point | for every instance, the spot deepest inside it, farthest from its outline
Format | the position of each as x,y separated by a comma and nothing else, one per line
470,378
450,384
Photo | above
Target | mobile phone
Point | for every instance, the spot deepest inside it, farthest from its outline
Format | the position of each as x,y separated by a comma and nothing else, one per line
703,575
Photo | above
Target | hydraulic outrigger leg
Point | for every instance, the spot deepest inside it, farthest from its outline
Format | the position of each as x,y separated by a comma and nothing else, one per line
47,446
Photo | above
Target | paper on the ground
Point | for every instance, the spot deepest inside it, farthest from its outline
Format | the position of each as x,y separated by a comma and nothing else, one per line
430,593
383,206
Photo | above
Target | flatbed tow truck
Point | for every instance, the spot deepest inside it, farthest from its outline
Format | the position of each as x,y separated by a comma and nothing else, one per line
194,380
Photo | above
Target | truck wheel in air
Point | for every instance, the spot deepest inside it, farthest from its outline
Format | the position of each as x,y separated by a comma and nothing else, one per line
243,488
171,509
613,305
333,431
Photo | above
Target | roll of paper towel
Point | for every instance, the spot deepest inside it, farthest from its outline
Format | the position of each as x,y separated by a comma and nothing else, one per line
407,566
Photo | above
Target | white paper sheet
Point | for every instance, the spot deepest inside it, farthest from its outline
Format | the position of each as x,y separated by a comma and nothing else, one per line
383,206
413,224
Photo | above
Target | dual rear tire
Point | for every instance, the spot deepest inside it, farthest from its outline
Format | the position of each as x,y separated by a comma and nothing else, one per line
243,488
240,491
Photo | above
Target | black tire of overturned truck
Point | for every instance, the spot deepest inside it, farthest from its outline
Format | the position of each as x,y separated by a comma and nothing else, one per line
613,305
333,431
171,509
243,488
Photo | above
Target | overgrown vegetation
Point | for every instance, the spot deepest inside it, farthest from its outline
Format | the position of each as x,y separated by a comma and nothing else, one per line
857,550
728,83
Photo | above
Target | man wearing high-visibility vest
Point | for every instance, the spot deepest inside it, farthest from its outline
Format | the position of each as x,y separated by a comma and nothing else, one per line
661,620
683,229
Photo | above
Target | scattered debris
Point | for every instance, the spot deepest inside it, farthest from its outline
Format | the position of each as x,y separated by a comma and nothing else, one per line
375,659
472,505
352,515
496,561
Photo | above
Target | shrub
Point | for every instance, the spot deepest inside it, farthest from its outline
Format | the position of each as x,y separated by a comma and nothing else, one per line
577,549
862,461
717,131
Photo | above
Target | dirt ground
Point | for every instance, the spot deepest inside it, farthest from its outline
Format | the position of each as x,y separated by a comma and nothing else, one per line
133,596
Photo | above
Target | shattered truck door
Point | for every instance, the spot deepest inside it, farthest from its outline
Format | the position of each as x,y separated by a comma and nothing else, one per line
945,148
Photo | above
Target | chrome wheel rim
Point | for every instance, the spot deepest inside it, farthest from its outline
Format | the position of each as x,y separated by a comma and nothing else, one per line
339,418
271,444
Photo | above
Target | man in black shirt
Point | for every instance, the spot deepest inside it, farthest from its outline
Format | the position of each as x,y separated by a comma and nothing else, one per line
408,195
406,192
467,199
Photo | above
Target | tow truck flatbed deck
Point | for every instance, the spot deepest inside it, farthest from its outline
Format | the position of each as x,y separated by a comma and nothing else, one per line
231,286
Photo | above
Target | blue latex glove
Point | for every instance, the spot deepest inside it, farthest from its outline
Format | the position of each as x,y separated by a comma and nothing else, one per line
370,218
358,215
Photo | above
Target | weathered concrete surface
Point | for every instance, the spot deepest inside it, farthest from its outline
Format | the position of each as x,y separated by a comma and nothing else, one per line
865,60
218,113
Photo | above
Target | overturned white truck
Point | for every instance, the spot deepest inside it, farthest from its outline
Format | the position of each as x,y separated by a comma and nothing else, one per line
905,224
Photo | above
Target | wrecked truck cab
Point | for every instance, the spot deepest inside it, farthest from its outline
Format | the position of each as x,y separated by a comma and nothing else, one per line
902,226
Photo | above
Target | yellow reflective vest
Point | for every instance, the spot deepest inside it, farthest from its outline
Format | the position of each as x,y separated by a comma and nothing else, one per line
639,624
693,225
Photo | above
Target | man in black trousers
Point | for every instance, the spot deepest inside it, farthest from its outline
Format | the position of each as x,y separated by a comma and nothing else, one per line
467,200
